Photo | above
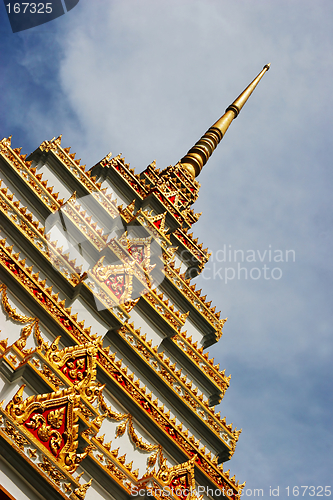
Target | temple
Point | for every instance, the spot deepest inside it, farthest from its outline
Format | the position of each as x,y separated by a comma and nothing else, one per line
106,388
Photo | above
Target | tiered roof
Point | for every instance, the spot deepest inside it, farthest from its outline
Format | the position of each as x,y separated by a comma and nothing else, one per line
152,368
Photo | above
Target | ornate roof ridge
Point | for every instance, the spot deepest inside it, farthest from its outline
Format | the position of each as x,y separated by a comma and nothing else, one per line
195,295
153,350
206,463
157,412
67,310
165,309
23,210
52,471
60,304
35,234
78,269
136,180
78,171
157,223
19,163
127,173
191,245
152,291
179,429
77,335
183,174
212,371
195,402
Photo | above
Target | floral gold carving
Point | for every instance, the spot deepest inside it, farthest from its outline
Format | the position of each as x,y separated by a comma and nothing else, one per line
51,470
14,434
116,278
52,421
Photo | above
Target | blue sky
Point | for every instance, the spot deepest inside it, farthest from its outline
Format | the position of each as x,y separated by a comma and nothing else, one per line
146,79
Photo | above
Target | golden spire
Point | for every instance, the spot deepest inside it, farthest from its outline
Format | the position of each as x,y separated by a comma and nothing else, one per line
198,156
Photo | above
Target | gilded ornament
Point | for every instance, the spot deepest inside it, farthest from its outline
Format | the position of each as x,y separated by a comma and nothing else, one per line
15,435
116,278
52,471
52,421
80,492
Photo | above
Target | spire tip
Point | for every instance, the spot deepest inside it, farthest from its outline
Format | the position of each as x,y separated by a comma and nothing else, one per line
199,154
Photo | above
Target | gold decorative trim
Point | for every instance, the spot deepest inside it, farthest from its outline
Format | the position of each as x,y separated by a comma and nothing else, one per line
24,223
80,492
201,360
177,383
128,211
43,295
68,359
50,417
194,296
33,454
166,310
146,220
51,471
15,435
78,172
138,248
11,311
204,461
18,163
190,245
179,478
133,181
116,279
172,179
80,219
20,318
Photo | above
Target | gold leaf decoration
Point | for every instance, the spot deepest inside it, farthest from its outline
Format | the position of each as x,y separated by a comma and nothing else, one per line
11,311
82,490
152,459
138,441
121,429
20,318
25,332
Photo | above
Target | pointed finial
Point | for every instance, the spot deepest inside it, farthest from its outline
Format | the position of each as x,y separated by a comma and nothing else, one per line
198,156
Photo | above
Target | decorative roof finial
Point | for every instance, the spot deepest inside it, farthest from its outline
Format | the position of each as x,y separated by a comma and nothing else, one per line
198,156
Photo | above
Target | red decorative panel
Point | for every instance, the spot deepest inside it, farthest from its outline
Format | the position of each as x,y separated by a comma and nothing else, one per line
116,283
75,369
157,223
49,427
137,252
